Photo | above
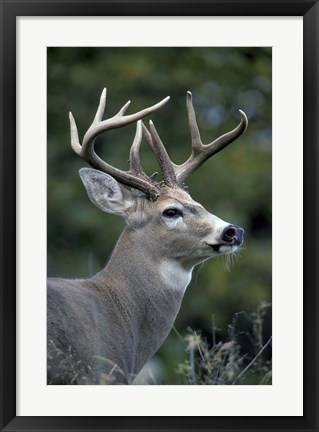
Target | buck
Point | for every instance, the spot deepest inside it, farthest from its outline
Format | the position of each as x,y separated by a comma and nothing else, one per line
113,322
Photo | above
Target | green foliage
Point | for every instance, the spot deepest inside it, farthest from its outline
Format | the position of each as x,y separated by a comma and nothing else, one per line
235,184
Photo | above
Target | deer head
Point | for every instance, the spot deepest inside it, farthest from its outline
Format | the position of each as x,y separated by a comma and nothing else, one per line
181,227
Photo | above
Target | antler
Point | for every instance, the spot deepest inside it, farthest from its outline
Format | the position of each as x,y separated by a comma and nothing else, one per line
177,174
156,145
201,152
135,176
173,175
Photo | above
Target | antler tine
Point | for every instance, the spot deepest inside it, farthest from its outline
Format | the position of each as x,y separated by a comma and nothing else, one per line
157,147
162,157
136,178
195,134
201,152
135,161
101,108
147,136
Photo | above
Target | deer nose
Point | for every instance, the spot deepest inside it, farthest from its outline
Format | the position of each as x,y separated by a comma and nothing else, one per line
233,234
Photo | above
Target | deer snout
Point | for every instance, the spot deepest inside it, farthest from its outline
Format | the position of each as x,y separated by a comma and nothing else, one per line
233,234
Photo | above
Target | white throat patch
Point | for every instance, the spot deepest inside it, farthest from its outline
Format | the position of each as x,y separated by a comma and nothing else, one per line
174,275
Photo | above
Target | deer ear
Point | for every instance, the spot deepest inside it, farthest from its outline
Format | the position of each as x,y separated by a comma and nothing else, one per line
105,192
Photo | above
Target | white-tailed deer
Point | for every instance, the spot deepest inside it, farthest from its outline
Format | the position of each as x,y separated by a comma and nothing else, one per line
108,326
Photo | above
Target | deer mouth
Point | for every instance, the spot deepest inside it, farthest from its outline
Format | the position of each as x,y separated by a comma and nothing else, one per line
216,248
224,247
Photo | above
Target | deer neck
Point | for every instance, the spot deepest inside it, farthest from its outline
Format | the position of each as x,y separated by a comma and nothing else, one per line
137,266
149,290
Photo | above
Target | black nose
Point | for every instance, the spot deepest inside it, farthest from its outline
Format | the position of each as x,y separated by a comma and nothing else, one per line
233,234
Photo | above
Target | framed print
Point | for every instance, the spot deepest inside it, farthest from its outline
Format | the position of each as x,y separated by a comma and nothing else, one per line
175,362
216,369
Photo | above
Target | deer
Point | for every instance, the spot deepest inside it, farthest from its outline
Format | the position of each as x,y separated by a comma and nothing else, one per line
114,322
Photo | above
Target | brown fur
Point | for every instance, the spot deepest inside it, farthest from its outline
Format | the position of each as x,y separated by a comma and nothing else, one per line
115,321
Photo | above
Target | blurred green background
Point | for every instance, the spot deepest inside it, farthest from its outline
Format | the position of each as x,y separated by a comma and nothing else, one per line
235,184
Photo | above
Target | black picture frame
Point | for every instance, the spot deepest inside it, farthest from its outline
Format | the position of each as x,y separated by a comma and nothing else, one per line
10,9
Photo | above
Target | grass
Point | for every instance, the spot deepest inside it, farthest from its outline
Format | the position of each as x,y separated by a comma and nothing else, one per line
206,362
223,362
72,371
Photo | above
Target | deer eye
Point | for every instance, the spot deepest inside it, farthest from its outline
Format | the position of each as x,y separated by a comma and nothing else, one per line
172,212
